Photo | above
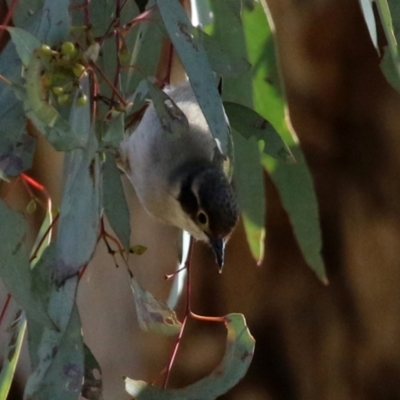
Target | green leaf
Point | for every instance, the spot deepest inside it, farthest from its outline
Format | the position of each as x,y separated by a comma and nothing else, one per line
11,355
54,23
63,381
222,61
249,185
42,241
172,119
250,124
24,19
12,117
389,14
101,13
25,43
145,54
238,355
61,306
93,384
389,70
293,181
14,266
41,283
79,222
115,206
114,132
296,190
42,287
154,315
18,156
194,58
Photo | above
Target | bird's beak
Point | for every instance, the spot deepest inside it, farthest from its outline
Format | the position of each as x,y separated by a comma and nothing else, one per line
218,245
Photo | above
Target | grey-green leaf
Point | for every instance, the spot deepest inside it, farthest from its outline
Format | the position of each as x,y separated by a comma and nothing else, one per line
251,124
14,267
115,206
79,222
194,58
93,384
61,306
296,190
248,177
54,24
12,353
63,380
222,61
24,42
154,315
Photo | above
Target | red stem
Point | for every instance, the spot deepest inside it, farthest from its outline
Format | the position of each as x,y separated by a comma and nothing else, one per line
44,237
187,314
104,76
33,183
8,17
174,352
118,45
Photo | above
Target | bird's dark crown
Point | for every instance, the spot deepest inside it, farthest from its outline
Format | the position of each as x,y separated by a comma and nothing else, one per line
206,194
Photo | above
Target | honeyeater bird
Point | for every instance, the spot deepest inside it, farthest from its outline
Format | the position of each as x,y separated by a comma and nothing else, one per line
182,180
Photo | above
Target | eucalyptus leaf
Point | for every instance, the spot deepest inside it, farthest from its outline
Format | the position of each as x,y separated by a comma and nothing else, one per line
54,23
25,43
93,384
222,61
101,14
145,54
389,70
194,58
41,284
61,306
12,353
115,206
42,287
63,381
79,222
114,132
18,156
154,315
296,190
14,266
236,360
293,180
250,124
35,332
12,116
26,12
249,185
389,15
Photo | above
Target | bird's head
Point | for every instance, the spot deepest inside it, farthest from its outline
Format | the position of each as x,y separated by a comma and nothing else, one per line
208,199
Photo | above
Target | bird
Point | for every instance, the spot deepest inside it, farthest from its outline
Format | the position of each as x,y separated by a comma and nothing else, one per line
183,181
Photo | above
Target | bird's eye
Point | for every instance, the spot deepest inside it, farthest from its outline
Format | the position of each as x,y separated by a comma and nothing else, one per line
202,217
